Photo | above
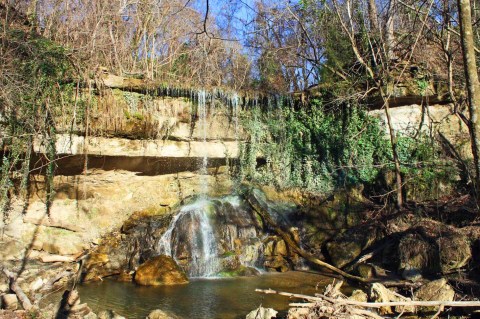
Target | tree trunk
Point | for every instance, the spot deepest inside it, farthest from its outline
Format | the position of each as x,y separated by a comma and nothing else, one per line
390,29
473,86
373,16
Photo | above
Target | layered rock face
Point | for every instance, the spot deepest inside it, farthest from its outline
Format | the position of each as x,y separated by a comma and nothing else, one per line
206,237
126,164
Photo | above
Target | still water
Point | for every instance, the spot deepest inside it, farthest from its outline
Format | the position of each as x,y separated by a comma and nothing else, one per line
202,298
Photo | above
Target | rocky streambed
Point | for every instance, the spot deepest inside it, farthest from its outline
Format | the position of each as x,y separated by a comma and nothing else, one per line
208,255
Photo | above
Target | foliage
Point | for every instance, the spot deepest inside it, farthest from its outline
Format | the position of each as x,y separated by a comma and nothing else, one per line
424,167
313,148
320,150
33,100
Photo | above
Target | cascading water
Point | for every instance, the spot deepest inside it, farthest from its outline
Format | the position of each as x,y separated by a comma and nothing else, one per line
235,107
204,236
190,234
202,113
204,231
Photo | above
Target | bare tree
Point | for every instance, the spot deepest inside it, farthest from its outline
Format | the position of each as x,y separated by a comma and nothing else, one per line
473,85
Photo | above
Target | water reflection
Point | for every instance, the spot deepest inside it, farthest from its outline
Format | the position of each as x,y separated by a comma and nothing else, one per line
201,298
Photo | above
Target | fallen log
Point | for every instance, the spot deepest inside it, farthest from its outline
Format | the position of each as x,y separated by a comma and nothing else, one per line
257,207
26,303
415,303
56,258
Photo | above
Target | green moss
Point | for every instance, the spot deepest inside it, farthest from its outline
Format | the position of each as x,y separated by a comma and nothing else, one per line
239,272
228,254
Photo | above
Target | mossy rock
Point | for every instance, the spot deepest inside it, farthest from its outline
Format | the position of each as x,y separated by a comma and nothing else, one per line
159,271
242,271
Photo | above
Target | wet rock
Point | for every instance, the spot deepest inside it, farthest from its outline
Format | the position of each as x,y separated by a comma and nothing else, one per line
433,291
262,313
277,263
160,270
160,314
269,247
125,276
123,252
109,314
10,302
241,271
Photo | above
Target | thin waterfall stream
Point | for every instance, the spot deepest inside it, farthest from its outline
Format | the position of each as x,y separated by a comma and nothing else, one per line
191,228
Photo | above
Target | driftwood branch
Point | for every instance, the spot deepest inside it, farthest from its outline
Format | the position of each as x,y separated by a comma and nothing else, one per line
415,303
24,300
294,246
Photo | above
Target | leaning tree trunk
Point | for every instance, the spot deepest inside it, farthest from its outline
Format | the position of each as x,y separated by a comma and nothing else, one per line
473,85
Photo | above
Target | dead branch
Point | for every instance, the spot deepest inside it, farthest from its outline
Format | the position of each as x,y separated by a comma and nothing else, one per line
293,245
56,258
24,300
415,303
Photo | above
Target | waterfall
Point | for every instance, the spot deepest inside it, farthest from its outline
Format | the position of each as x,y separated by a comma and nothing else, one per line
191,233
208,236
202,114
235,106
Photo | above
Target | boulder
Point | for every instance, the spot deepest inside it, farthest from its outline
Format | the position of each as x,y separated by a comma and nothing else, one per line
417,256
90,315
431,248
454,252
10,302
358,295
160,270
122,252
262,313
281,248
380,293
277,263
160,314
437,290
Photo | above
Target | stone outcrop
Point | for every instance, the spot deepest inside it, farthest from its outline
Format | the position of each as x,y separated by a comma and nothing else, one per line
431,247
160,270
262,313
433,291
67,144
